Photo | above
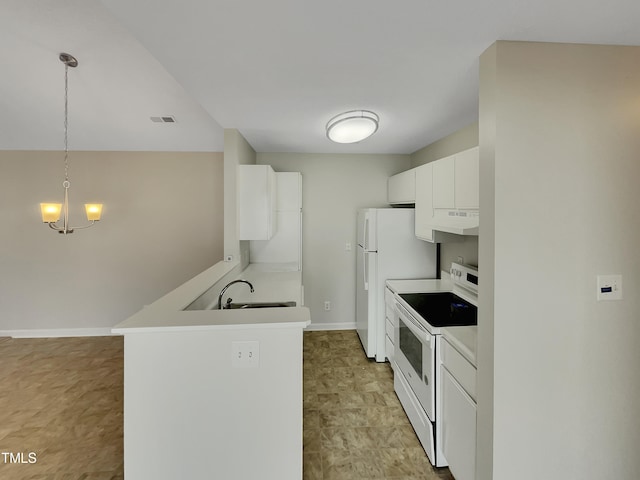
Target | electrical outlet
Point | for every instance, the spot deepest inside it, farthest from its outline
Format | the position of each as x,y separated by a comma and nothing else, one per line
327,305
245,354
347,246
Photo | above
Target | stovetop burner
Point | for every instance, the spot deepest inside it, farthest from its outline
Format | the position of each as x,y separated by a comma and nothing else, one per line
442,309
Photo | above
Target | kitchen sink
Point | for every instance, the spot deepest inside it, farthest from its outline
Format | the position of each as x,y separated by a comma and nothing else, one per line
258,305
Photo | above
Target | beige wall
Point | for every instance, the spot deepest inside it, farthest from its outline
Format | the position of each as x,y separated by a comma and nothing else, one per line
334,187
162,224
463,139
559,155
486,258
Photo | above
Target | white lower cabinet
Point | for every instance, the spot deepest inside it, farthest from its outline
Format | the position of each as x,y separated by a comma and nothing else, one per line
458,428
457,432
390,322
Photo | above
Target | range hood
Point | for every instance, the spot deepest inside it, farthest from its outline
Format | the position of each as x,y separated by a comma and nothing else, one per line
459,222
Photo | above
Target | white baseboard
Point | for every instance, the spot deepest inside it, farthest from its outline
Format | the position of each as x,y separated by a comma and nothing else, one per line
331,326
57,332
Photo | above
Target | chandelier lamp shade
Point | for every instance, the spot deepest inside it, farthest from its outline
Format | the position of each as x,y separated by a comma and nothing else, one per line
353,126
51,212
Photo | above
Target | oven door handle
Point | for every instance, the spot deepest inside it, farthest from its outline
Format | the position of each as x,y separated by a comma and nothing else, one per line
417,329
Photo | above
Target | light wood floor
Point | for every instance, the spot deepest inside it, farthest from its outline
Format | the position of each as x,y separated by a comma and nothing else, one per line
62,399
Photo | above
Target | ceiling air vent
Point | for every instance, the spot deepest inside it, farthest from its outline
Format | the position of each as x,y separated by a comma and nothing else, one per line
169,119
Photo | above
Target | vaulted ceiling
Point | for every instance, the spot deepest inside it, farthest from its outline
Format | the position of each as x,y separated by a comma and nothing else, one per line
276,71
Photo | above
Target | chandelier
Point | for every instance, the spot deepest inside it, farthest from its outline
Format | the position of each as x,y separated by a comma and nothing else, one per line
51,211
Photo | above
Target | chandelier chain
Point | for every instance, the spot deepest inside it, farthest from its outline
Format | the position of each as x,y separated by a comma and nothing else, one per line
66,123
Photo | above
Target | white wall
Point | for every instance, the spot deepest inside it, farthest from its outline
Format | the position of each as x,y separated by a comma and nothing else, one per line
334,187
562,162
162,224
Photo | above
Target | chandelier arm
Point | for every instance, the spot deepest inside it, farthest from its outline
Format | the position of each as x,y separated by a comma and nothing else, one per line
84,226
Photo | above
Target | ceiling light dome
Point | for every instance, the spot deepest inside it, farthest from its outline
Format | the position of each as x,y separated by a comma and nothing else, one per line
353,126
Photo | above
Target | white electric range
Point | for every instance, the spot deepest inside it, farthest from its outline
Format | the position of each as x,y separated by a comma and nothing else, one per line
422,308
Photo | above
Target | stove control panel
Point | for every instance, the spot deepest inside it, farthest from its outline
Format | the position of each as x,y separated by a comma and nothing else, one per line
465,276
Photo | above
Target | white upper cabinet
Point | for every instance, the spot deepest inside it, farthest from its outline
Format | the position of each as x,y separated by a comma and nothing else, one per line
456,181
401,188
443,182
467,179
256,202
424,202
424,219
447,197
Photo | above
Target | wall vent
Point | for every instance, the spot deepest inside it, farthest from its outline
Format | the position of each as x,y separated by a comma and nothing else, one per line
167,119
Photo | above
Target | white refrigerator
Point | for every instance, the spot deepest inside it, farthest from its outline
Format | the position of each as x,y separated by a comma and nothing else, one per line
387,249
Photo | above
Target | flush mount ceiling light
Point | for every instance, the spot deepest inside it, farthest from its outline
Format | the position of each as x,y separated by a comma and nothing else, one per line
353,126
51,211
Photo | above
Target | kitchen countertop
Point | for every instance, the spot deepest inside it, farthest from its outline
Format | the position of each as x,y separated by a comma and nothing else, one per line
463,339
175,312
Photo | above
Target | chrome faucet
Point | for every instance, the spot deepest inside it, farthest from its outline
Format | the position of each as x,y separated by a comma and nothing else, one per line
225,289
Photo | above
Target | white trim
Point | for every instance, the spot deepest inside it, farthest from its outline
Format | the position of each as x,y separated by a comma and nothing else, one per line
331,326
57,332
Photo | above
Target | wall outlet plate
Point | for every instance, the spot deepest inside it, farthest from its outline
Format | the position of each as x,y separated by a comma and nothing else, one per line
245,354
609,287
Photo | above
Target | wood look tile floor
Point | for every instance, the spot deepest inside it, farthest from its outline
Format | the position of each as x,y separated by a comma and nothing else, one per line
62,399
354,425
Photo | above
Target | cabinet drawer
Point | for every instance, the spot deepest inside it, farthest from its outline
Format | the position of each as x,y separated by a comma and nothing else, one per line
459,367
389,304
389,328
389,312
389,350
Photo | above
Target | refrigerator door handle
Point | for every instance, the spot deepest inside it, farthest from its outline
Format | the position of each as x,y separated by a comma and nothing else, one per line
365,233
365,270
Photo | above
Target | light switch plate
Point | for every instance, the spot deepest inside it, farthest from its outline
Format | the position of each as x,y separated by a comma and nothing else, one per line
609,287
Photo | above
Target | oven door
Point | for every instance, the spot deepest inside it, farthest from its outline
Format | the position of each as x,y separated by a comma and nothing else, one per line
415,357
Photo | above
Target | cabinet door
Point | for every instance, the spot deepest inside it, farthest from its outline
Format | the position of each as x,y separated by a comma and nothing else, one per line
467,179
458,428
424,202
443,182
256,202
401,188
